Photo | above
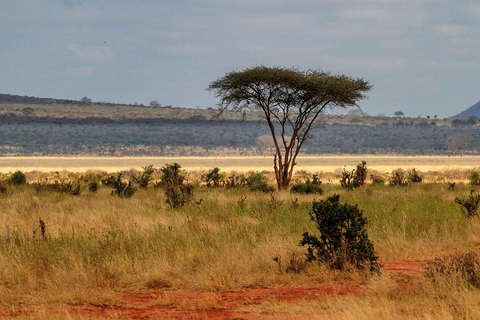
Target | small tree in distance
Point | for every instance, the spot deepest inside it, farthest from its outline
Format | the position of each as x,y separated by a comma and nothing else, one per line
155,104
399,113
290,101
86,100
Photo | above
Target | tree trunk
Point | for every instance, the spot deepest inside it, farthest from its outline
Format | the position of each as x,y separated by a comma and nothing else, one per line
282,173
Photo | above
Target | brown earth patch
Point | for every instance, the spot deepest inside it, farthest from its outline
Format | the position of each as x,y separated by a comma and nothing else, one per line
223,305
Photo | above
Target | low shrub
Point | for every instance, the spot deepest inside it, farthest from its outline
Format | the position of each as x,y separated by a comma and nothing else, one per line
474,178
398,178
236,181
258,182
457,268
469,205
377,179
144,178
213,178
414,177
177,191
3,187
18,178
355,178
121,188
72,185
343,236
306,188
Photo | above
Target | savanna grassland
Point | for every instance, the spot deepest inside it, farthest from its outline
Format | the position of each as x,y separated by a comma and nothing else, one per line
98,255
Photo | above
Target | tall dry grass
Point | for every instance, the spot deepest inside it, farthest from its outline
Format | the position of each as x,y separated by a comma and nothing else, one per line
96,245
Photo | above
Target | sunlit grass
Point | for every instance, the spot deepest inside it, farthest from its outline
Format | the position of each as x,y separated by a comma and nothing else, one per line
97,245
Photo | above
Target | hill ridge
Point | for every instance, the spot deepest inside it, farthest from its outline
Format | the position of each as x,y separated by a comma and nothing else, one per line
472,111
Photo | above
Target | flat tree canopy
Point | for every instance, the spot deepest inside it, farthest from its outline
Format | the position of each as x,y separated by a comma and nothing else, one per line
291,101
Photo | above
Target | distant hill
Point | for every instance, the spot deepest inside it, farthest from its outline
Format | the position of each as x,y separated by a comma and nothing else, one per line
472,111
11,98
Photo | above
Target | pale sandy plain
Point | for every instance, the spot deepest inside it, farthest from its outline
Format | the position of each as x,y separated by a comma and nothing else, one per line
239,164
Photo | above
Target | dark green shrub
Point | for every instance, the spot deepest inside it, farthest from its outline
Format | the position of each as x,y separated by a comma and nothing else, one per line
236,181
212,178
316,181
355,178
414,177
398,178
348,180
258,182
121,188
343,236
109,181
144,178
306,188
361,173
177,191
459,267
92,181
474,178
18,178
469,206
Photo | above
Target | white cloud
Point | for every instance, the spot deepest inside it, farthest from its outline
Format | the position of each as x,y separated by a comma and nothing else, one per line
91,53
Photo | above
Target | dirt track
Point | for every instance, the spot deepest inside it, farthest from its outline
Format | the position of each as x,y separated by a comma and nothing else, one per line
224,305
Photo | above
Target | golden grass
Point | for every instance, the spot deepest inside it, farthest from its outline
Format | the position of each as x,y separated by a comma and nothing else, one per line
242,164
98,245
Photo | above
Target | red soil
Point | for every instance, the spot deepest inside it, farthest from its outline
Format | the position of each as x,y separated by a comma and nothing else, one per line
223,305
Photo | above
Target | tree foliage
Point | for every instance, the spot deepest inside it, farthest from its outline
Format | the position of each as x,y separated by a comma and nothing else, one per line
290,101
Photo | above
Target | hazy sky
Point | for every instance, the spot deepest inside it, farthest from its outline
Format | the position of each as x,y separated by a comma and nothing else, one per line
422,56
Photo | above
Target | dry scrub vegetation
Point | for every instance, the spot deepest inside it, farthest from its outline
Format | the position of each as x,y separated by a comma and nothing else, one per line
58,250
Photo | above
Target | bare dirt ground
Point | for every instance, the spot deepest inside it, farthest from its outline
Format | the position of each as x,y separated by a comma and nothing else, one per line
222,305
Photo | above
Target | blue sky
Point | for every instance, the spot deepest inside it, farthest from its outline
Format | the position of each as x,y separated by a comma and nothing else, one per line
422,56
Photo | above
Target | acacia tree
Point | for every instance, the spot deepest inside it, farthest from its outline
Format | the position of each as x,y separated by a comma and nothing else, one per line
290,100
459,142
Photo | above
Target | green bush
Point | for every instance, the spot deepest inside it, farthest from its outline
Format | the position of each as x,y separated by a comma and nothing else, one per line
474,178
18,178
258,182
398,178
414,177
212,178
469,206
306,188
343,236
121,188
355,178
177,191
144,178
361,173
236,181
